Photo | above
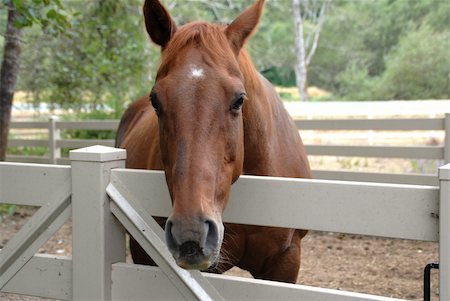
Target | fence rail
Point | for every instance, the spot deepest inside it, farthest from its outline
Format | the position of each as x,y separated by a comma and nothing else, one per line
55,143
382,124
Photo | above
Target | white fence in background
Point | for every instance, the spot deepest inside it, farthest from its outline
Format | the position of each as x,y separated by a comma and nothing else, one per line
97,269
441,152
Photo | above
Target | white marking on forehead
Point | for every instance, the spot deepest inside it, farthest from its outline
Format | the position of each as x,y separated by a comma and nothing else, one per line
196,72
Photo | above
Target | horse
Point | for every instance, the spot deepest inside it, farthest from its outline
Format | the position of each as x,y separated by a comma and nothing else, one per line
209,118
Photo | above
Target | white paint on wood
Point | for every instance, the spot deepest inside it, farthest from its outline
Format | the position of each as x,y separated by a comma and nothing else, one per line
46,276
402,211
387,210
134,282
28,125
403,152
81,143
54,134
444,234
28,142
29,159
98,239
24,244
398,178
50,276
88,125
98,153
33,184
379,124
447,138
149,235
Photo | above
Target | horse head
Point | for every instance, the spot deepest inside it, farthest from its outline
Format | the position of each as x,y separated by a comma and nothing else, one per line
198,97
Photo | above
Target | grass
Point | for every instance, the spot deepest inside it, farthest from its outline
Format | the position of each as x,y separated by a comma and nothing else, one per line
7,209
291,94
28,151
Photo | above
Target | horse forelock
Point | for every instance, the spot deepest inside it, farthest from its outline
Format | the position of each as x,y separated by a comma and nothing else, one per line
208,38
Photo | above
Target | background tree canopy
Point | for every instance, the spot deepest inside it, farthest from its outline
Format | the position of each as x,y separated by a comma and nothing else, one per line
368,49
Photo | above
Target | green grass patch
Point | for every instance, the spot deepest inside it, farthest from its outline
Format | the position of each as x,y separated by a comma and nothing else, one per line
28,151
8,209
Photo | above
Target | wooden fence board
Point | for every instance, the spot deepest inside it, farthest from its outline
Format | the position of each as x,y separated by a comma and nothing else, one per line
407,211
32,184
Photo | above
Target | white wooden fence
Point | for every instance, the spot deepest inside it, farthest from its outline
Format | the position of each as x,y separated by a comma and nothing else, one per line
97,269
441,152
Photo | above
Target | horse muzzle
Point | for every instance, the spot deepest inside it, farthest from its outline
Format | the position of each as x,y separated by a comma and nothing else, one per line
194,241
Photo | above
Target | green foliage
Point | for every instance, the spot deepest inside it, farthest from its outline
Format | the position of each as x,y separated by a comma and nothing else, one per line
102,62
342,45
356,84
385,50
280,76
373,49
46,13
419,67
90,134
28,151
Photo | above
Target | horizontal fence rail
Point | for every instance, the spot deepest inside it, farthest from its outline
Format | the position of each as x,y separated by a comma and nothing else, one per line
88,125
31,184
50,276
377,177
55,143
403,124
407,152
409,211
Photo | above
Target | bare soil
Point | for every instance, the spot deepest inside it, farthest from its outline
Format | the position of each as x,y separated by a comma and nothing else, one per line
379,266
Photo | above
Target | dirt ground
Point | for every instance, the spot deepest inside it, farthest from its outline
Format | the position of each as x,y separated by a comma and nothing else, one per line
377,266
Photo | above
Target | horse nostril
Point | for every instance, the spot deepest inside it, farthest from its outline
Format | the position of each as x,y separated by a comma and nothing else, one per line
170,240
190,249
212,233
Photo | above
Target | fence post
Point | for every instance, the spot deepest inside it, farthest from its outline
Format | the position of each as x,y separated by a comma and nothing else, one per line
447,138
54,135
444,233
98,238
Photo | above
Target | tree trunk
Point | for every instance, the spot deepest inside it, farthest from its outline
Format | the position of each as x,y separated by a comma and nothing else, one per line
8,76
300,50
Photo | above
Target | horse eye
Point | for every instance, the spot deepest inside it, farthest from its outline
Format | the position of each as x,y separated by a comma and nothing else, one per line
237,103
155,103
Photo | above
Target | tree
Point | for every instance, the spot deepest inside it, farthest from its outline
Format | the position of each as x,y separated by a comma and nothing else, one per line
305,48
8,75
104,61
361,44
20,14
418,68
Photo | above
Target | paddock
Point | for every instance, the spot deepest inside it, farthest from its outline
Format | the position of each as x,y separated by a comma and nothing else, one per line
54,142
103,199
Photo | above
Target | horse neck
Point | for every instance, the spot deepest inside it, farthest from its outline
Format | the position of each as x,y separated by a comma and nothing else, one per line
259,115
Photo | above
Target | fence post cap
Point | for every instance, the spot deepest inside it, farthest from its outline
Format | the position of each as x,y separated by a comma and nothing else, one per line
444,172
98,153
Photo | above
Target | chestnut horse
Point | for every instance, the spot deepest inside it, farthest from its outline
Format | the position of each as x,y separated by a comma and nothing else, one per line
209,118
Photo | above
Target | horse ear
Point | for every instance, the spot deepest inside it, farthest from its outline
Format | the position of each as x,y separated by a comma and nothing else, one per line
244,25
158,22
